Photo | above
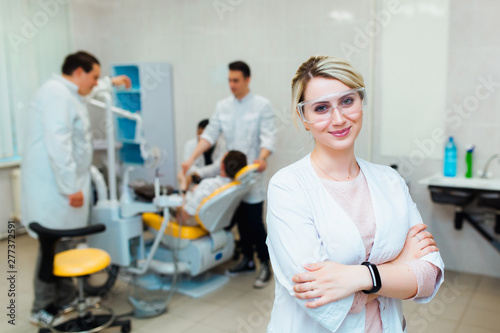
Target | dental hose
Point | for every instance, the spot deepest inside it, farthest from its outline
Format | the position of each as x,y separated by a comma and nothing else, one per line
166,214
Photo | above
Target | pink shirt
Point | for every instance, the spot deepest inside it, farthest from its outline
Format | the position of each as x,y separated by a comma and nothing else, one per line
354,197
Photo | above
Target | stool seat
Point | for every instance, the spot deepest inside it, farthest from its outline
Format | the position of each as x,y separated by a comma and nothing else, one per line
79,262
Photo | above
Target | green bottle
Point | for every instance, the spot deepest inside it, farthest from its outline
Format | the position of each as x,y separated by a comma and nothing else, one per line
468,162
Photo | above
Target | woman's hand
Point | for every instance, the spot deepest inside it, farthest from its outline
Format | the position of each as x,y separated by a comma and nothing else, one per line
329,282
419,243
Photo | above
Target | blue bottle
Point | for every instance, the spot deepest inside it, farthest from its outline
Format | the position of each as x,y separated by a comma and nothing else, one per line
450,158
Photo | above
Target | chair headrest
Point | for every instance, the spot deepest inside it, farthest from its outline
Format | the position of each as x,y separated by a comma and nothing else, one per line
246,173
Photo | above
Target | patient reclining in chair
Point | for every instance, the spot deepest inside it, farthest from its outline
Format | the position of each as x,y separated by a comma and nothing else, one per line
232,162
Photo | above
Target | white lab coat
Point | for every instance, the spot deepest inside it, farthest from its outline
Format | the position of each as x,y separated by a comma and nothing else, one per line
306,225
247,126
199,167
57,156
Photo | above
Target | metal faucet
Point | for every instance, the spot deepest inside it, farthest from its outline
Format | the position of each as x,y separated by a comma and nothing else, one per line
484,173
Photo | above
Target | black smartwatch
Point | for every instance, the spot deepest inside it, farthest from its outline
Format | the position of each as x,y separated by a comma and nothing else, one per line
377,283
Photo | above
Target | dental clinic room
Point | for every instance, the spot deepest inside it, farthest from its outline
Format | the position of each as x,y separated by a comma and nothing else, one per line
280,166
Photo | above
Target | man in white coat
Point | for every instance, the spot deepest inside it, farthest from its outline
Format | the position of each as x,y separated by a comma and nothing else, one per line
246,121
56,165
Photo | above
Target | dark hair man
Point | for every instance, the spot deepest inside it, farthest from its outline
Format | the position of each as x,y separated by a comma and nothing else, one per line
56,165
246,121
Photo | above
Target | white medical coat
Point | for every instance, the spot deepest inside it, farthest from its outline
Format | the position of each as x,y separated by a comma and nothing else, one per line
247,125
306,225
57,156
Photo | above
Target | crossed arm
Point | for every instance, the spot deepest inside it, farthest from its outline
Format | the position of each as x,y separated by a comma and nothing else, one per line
329,281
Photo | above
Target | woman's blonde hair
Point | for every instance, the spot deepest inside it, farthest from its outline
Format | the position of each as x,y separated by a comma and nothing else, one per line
326,67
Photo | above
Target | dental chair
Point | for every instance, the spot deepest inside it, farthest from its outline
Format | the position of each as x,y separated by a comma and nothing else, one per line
84,316
200,248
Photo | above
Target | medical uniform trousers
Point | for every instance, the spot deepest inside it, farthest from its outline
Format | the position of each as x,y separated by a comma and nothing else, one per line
253,235
62,290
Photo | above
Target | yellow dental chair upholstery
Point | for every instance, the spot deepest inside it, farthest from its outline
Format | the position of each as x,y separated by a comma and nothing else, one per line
209,244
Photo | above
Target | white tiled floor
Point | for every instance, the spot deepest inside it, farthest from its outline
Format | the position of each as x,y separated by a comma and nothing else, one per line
465,303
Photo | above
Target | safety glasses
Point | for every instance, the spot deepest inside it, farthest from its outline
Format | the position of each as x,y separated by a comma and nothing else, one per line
347,102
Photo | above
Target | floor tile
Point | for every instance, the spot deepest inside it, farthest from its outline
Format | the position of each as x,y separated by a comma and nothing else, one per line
481,317
19,327
458,286
223,296
231,320
251,302
200,328
164,323
485,299
194,310
440,326
474,329
489,285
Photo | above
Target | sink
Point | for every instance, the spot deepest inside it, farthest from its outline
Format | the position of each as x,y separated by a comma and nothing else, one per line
489,199
462,191
462,182
452,196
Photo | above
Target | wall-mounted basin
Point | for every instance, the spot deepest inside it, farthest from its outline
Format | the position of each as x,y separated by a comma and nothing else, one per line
489,199
462,182
461,191
452,196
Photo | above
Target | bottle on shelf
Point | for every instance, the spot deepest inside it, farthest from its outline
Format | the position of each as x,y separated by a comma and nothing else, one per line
450,159
468,162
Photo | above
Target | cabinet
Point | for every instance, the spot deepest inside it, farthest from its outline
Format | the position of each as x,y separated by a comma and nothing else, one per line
151,95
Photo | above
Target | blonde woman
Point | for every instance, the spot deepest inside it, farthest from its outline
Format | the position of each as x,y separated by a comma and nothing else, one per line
346,240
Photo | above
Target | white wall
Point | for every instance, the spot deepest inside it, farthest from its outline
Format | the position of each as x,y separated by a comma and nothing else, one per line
413,47
35,40
472,116
274,37
6,202
430,61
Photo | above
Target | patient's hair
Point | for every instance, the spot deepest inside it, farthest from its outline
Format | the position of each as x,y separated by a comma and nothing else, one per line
81,59
234,161
203,123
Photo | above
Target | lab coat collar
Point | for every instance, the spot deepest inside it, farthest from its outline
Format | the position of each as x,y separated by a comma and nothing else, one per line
244,99
72,86
375,194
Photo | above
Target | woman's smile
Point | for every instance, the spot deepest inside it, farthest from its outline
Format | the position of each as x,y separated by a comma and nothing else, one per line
342,132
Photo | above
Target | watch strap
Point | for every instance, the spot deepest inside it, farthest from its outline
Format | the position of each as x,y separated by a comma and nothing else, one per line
377,282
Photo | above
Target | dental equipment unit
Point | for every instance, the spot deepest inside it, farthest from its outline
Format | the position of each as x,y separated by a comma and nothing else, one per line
156,266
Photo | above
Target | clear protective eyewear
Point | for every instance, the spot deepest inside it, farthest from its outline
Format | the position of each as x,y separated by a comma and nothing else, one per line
320,109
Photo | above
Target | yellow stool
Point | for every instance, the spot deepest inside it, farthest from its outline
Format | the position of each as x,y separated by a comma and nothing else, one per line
79,263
